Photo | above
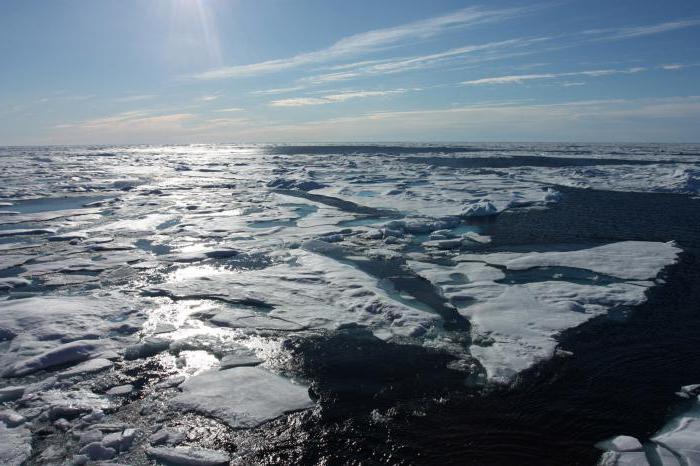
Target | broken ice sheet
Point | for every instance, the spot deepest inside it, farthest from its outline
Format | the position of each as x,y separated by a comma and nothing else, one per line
305,291
514,325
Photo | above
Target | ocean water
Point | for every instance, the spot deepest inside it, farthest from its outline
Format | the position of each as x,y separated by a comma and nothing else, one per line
349,304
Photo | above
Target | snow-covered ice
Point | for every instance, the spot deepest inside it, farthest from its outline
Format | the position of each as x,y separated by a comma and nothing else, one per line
243,396
189,456
629,260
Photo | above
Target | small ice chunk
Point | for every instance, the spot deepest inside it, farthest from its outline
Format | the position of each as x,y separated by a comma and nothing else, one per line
12,418
72,352
242,397
551,195
476,237
88,367
164,327
691,390
188,456
444,244
620,443
482,208
90,436
148,347
96,451
120,390
11,393
167,437
128,437
241,357
112,440
171,382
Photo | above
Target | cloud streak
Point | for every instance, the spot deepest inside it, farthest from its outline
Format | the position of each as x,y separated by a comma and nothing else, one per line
371,41
333,98
521,78
640,31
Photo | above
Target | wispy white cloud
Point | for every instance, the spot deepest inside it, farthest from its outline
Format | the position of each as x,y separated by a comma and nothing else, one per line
63,97
229,110
209,98
640,31
678,66
466,54
135,98
299,102
498,50
279,90
521,78
371,41
333,98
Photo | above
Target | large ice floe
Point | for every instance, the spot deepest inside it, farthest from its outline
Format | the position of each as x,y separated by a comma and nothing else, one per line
148,300
514,325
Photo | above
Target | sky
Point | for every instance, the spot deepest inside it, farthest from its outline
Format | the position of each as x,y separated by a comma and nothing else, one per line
200,71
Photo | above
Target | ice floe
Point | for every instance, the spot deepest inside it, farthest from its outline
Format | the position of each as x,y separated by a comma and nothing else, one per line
308,290
189,456
629,260
243,396
514,326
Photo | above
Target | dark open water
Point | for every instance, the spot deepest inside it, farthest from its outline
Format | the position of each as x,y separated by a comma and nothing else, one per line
621,379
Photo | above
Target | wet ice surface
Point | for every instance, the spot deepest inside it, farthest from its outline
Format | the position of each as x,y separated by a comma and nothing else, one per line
140,283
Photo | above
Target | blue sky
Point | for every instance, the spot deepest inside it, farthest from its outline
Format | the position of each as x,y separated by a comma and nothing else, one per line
185,71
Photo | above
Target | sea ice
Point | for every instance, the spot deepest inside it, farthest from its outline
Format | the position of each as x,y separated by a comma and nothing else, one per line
514,325
307,290
629,260
242,396
620,443
188,456
88,367
239,357
67,353
15,445
482,208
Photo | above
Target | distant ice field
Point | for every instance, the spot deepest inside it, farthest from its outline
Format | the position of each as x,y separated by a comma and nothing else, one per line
200,304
